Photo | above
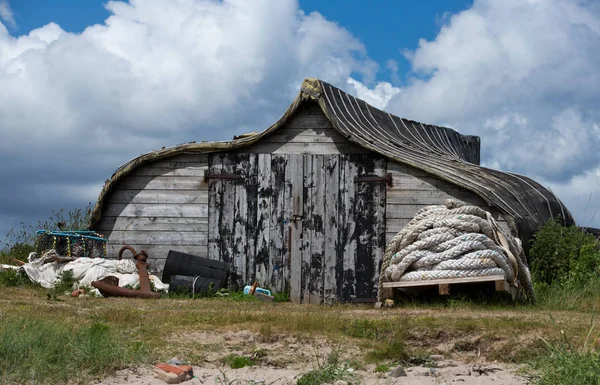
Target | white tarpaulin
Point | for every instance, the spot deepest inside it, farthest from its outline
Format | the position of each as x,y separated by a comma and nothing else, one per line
87,270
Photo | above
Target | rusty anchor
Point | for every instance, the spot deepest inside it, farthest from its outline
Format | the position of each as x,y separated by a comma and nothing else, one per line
109,286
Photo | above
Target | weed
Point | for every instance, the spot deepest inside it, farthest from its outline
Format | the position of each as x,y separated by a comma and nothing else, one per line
382,368
65,283
10,277
236,362
566,365
50,352
327,373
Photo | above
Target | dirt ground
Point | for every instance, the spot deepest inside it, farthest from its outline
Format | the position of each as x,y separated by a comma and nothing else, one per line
284,359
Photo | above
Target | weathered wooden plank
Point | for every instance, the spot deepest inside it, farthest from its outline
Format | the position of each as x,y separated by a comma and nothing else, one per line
172,169
227,216
187,157
365,222
347,228
379,227
156,210
303,120
287,230
263,219
307,209
296,170
402,211
152,224
159,196
242,166
306,136
432,197
158,237
251,217
162,183
331,170
317,242
304,148
489,278
277,225
215,193
157,251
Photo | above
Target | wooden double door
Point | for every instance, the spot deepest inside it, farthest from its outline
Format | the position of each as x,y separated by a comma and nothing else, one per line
309,225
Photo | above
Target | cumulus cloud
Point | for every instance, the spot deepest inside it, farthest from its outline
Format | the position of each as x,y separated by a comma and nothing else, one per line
73,107
522,74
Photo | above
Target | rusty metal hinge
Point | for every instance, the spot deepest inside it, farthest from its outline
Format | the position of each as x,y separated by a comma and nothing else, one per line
374,178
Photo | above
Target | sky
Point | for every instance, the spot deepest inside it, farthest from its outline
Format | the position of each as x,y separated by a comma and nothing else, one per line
87,85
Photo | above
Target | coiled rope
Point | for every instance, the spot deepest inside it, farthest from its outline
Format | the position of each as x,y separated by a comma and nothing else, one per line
455,240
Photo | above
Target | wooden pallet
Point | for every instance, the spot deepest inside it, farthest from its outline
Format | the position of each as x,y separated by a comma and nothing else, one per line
444,285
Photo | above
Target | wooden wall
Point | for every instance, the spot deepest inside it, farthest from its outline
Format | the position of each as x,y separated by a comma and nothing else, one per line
413,189
160,206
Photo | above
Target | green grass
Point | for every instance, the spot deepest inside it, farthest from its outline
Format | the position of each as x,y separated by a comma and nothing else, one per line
51,352
566,364
330,371
236,361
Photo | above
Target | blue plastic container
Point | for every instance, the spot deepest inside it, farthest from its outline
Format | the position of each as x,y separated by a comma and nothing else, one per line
257,290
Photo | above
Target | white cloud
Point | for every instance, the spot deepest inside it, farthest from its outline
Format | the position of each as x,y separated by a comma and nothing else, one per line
73,107
523,75
6,14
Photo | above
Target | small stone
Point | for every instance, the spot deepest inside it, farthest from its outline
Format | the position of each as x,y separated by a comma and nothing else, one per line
432,372
398,371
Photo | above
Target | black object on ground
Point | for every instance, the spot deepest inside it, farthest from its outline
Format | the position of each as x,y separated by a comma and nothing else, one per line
182,264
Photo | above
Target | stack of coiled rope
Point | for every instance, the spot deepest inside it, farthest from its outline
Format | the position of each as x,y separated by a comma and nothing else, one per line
455,240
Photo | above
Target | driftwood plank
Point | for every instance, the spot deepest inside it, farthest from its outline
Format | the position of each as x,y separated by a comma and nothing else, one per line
263,219
331,172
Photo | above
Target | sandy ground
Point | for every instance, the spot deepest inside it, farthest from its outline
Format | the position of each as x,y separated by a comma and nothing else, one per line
284,359
456,374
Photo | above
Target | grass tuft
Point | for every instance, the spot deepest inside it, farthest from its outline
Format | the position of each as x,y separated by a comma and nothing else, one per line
49,352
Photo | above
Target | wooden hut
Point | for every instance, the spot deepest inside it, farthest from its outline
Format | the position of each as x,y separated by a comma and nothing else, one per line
308,205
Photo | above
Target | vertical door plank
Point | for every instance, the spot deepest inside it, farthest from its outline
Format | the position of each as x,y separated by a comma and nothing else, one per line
240,217
307,209
317,230
263,222
252,217
215,195
379,244
296,169
330,225
277,225
227,218
364,217
347,228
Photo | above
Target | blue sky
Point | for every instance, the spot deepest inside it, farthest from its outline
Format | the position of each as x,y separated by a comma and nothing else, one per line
88,85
